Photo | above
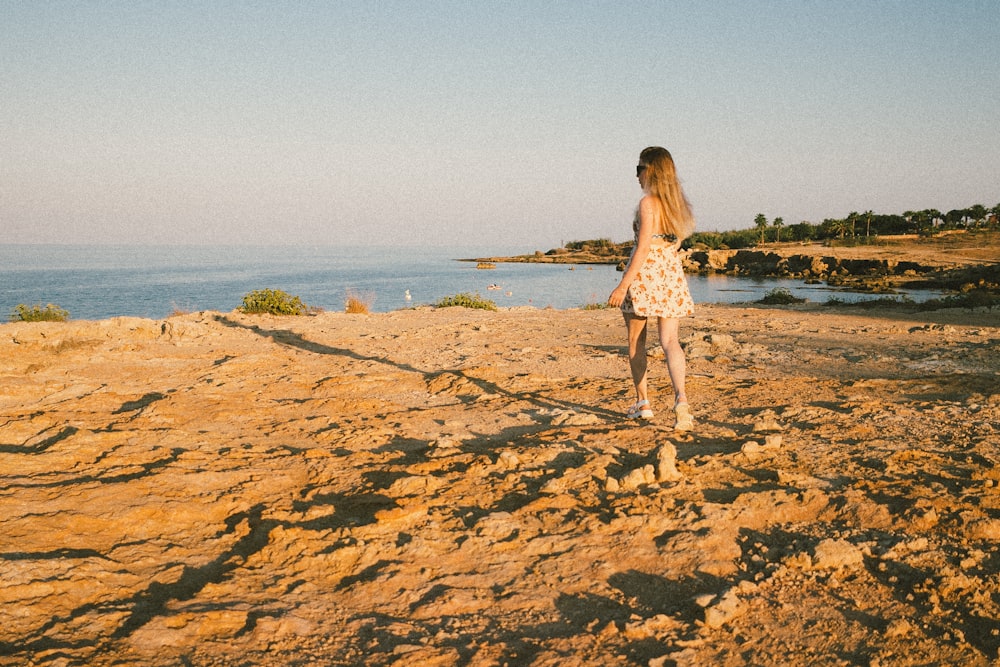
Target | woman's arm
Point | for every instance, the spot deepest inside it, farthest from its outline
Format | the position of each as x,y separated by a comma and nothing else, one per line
647,216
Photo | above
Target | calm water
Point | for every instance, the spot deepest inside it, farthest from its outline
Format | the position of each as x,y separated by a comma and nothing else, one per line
96,282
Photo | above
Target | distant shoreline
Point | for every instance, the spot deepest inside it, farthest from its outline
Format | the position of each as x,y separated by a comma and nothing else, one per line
947,261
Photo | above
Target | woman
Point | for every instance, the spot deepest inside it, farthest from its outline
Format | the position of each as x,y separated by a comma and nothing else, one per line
654,284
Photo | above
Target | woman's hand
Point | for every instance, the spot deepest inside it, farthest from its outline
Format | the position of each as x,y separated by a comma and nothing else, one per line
617,296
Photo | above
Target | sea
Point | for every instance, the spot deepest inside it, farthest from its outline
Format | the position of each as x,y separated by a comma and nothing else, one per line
101,281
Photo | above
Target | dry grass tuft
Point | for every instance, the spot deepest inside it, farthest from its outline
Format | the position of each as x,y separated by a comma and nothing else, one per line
358,303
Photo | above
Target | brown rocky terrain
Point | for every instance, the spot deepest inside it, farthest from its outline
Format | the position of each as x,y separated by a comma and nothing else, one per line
459,487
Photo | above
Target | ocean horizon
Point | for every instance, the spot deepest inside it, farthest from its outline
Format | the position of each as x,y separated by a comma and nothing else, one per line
101,281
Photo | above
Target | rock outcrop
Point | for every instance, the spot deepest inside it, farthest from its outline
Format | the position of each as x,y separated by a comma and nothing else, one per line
771,264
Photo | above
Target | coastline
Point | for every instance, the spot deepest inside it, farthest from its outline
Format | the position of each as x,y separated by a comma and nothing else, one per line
952,261
92,283
456,486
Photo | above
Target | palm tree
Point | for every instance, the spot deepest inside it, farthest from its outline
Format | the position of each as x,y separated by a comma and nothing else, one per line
777,224
834,226
761,222
842,227
934,215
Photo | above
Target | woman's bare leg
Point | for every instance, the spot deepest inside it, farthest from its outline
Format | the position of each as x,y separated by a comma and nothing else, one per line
676,364
637,353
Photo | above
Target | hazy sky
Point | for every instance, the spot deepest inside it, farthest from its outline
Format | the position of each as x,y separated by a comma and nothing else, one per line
513,123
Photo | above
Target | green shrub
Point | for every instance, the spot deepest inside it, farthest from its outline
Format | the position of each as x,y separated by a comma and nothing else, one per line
273,302
780,296
871,304
706,240
974,298
466,300
977,298
50,313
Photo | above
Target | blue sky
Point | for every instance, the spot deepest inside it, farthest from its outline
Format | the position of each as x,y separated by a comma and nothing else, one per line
506,123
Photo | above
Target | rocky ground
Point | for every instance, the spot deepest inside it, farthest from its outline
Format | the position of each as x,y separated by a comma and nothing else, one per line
459,487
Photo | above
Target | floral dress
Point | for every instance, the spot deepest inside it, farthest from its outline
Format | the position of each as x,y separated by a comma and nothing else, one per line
660,289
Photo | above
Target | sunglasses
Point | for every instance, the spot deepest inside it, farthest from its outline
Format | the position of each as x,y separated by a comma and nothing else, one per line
639,169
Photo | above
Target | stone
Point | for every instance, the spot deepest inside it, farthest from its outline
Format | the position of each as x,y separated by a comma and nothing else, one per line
725,608
767,421
666,463
832,554
898,627
722,343
571,418
638,477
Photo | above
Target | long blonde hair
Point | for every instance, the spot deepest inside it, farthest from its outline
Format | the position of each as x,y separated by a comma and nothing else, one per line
663,185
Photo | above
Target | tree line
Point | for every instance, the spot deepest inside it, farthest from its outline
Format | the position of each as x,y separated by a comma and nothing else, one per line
855,227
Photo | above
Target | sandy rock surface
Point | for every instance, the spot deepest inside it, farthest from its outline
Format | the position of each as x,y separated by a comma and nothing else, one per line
458,487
